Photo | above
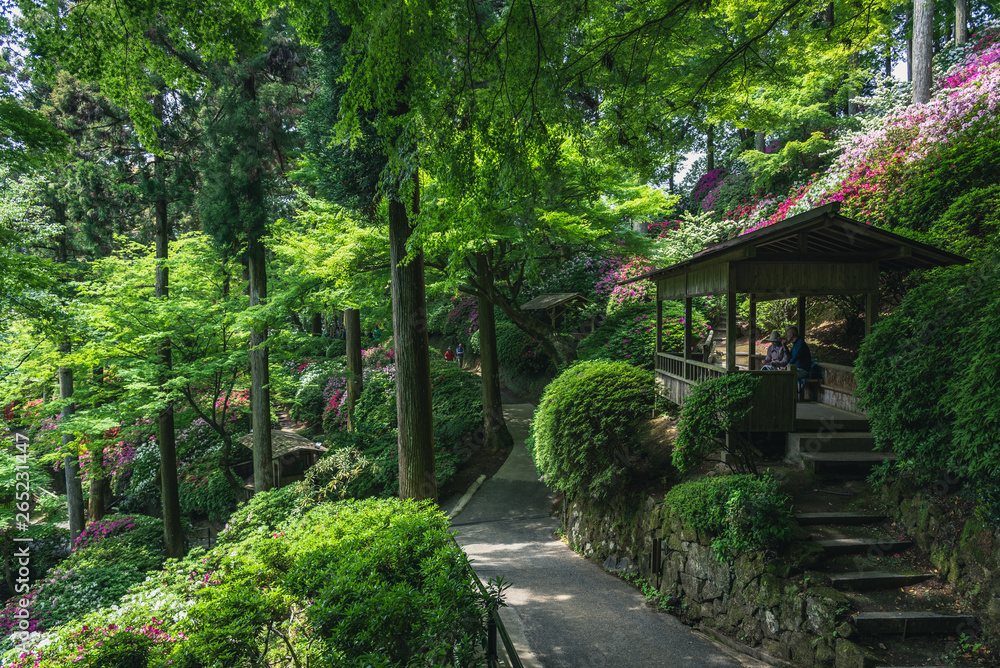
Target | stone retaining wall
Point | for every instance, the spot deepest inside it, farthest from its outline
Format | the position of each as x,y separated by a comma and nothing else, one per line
963,550
758,599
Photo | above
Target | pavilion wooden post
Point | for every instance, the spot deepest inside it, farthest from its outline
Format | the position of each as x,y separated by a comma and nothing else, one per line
871,311
730,332
659,329
688,342
753,331
801,312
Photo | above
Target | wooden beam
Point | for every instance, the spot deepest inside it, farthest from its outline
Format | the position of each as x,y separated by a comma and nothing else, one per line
731,332
801,308
803,242
659,326
871,311
688,341
753,328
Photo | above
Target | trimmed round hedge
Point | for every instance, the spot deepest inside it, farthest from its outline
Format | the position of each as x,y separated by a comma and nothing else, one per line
583,436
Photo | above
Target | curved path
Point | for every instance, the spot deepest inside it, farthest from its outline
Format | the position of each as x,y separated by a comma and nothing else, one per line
565,611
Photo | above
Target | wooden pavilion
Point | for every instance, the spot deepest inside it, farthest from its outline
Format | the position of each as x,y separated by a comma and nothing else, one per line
819,252
291,455
556,305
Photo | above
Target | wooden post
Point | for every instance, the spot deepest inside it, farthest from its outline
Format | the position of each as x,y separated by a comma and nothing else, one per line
352,323
871,311
730,332
753,331
801,308
659,328
688,339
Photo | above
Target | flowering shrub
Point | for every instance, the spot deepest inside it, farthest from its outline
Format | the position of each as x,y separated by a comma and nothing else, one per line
584,273
378,357
904,168
632,293
707,183
335,413
102,645
629,335
98,531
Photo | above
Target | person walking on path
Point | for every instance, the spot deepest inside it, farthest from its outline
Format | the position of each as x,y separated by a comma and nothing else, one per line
449,356
460,354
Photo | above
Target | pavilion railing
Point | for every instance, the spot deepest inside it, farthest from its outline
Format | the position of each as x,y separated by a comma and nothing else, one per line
773,400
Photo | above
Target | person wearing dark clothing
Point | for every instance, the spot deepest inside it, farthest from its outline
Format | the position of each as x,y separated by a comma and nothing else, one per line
800,355
460,354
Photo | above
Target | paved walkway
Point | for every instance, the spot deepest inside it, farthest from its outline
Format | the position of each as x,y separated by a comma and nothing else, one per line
565,611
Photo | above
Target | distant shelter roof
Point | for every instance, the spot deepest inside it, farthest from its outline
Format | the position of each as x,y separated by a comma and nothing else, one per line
542,302
284,442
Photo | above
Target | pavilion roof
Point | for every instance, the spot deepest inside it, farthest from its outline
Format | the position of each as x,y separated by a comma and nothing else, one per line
285,442
542,302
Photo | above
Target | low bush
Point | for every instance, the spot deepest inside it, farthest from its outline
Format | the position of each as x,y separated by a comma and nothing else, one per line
336,348
742,513
713,408
518,353
583,435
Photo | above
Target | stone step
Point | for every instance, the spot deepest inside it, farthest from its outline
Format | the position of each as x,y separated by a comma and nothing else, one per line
911,623
844,462
805,519
836,423
879,546
870,580
799,443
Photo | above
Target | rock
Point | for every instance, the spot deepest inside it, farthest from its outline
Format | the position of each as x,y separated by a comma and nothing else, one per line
820,615
771,625
849,655
799,648
691,586
770,591
826,657
846,631
622,565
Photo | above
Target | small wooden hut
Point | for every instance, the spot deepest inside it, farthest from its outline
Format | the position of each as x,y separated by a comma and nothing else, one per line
291,455
556,306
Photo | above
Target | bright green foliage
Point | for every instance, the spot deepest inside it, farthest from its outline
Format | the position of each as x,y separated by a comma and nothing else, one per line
928,376
518,353
583,433
263,514
372,569
742,513
971,224
713,408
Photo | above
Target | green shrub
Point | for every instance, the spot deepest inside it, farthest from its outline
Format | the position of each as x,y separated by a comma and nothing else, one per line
926,372
376,406
264,513
742,513
458,405
971,225
68,594
518,353
388,585
337,348
714,407
583,433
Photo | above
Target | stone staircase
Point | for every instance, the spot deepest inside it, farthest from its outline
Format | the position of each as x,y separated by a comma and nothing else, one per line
886,587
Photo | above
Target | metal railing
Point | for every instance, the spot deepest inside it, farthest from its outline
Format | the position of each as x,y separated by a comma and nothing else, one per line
494,625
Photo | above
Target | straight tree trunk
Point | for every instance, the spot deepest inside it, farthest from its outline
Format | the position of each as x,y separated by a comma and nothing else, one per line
352,323
173,532
317,324
71,462
98,475
260,391
495,432
961,21
760,140
417,477
710,148
923,44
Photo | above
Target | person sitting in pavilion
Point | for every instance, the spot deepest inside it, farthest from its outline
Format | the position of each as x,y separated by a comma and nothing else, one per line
777,355
800,355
